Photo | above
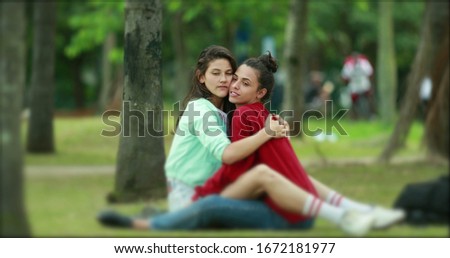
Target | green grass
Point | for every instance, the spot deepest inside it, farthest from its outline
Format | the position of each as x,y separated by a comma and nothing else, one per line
79,142
363,139
65,204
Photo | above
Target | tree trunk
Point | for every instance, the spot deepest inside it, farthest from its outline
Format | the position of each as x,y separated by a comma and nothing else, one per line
437,123
295,63
420,68
386,64
106,90
141,157
40,127
13,219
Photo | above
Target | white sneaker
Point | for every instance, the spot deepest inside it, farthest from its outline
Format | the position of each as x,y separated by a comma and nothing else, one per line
385,218
356,223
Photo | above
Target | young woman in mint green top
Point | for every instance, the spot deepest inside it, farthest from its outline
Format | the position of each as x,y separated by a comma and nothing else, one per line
201,145
238,206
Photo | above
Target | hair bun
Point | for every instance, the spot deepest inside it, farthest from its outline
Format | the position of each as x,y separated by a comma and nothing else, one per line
269,61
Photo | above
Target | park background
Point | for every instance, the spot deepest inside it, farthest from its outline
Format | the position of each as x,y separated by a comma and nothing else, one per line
63,67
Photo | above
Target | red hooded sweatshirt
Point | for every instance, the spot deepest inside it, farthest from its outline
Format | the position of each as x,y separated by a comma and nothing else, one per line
275,153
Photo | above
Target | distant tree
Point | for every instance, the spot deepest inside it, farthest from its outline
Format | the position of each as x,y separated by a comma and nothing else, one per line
13,218
107,88
386,63
294,62
432,36
95,25
40,127
182,71
141,157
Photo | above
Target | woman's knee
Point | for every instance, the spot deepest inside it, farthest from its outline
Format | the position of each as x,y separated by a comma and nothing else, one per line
264,173
261,168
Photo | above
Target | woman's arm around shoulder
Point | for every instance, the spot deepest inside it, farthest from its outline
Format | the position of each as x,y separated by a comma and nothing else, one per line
248,142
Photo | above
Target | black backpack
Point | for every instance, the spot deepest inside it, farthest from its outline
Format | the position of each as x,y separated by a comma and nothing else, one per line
426,202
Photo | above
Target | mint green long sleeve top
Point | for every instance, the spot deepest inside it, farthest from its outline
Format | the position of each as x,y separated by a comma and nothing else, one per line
198,145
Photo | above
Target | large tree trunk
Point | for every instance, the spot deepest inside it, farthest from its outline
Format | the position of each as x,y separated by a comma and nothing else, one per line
421,67
437,130
295,63
40,127
13,219
386,64
141,157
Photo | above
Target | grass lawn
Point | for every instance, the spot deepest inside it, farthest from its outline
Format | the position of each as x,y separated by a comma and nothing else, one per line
79,142
65,204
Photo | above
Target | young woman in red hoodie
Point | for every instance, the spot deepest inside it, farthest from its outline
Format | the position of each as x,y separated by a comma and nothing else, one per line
273,173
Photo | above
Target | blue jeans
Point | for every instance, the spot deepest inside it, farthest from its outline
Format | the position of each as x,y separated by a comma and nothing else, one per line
215,211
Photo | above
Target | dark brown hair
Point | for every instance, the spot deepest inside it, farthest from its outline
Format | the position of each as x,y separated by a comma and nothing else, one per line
198,89
266,65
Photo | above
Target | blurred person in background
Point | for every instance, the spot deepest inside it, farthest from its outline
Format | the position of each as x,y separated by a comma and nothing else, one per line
357,72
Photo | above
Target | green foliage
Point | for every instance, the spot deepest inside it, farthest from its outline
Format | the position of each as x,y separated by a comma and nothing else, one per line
335,28
173,5
92,23
362,5
192,12
407,25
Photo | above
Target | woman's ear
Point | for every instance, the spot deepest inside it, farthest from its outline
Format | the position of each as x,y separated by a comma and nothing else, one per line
261,93
200,77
